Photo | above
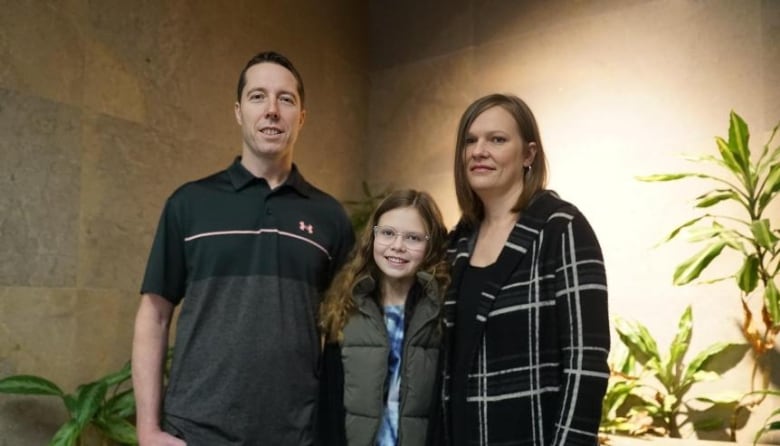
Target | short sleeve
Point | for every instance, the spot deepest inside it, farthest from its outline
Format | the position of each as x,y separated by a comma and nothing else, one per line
166,269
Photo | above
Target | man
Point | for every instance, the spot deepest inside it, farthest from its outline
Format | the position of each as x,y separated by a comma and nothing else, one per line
248,252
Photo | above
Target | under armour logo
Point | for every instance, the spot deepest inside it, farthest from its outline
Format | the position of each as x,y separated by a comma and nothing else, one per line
304,227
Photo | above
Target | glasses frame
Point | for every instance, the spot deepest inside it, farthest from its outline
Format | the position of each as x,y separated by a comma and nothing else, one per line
403,234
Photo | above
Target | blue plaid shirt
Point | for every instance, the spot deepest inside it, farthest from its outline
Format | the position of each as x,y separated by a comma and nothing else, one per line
388,431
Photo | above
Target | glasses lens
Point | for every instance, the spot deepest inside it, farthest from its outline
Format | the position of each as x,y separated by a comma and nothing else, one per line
387,235
414,240
384,234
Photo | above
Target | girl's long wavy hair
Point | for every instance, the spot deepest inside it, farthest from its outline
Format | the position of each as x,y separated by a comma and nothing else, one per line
338,304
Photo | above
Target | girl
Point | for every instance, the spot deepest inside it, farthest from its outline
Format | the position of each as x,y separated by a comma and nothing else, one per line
380,322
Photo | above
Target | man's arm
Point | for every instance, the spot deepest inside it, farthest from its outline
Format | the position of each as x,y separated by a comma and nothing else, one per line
150,344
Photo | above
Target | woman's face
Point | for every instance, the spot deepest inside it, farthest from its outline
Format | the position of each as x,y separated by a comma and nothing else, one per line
496,153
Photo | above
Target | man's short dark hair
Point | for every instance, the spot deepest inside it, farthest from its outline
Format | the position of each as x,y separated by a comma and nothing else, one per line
270,57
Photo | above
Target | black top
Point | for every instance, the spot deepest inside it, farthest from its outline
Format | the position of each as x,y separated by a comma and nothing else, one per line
250,264
465,340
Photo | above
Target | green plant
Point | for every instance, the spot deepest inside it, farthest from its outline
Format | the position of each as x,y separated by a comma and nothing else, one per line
752,186
618,412
663,397
772,422
360,210
106,403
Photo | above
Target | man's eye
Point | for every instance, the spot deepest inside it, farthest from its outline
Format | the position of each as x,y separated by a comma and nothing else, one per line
287,99
256,96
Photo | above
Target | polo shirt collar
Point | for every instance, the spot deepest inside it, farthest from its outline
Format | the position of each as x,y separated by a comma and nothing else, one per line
240,177
296,181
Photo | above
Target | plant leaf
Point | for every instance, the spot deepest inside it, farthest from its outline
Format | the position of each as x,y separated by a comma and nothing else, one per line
670,176
702,233
67,434
771,186
118,429
714,197
763,234
772,301
738,141
681,341
769,425
700,363
697,158
747,276
29,385
640,343
701,376
690,269
121,405
728,156
677,230
88,400
772,183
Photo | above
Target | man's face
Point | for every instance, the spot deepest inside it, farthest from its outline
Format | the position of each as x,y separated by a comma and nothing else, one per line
269,113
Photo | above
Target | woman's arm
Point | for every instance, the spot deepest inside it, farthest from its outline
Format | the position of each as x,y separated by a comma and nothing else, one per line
583,333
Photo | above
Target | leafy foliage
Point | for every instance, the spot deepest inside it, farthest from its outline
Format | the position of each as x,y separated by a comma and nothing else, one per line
772,422
648,391
752,186
105,403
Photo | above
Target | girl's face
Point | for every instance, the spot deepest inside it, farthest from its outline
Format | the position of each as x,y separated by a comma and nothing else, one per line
400,243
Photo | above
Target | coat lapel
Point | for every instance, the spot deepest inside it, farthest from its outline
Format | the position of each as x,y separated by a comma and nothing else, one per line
518,244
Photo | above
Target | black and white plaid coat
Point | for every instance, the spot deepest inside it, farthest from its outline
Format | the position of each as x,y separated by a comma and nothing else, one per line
539,370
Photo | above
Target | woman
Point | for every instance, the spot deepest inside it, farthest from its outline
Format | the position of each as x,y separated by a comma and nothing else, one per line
382,328
527,331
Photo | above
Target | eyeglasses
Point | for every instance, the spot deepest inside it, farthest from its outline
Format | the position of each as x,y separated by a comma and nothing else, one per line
412,240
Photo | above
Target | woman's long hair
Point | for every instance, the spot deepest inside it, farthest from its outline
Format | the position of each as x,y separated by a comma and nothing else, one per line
338,304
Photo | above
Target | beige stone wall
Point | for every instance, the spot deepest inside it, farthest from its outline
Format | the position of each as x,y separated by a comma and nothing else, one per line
105,108
620,88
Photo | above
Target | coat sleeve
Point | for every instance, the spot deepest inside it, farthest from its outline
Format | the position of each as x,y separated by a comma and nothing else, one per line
330,416
583,335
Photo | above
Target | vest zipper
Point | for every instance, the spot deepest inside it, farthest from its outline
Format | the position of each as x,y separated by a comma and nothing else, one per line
407,343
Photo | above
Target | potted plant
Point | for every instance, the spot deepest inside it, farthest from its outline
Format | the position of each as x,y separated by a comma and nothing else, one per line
752,182
648,391
753,186
106,404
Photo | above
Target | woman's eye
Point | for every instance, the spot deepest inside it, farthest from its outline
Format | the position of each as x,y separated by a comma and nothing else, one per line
499,139
471,140
387,232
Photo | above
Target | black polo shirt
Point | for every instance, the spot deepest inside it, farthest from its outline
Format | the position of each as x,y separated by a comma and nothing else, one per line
250,264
